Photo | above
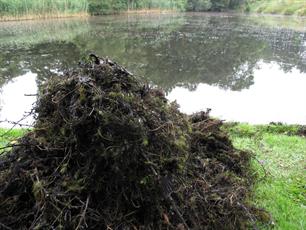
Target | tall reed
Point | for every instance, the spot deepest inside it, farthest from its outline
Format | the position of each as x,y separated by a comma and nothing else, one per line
41,8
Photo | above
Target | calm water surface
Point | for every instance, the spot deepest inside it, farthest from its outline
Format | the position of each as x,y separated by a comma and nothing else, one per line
245,68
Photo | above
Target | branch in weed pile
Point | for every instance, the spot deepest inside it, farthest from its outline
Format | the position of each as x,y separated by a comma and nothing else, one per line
16,123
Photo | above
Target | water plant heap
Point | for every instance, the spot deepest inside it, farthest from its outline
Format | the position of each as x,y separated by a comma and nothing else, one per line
109,152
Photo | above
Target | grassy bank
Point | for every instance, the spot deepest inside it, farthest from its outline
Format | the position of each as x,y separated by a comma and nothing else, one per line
281,186
282,153
10,136
286,7
32,9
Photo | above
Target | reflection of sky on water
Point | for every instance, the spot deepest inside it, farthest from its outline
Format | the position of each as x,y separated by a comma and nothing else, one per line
258,104
218,61
13,102
274,96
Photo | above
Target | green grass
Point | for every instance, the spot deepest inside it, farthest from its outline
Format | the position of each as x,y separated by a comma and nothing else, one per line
287,7
283,154
10,136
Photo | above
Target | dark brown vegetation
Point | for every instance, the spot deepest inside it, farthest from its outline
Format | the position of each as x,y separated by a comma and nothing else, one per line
302,131
109,152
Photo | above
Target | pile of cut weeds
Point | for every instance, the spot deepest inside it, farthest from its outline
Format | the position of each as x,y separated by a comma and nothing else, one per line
110,152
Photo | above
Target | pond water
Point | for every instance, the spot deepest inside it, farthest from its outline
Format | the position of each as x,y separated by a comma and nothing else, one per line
245,68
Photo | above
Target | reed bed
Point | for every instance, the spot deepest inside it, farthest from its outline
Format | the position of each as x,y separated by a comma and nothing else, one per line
29,9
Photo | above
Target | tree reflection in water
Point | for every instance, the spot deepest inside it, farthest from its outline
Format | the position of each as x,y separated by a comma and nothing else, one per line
169,50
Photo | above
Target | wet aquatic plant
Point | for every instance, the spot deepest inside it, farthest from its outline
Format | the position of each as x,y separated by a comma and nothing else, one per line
110,152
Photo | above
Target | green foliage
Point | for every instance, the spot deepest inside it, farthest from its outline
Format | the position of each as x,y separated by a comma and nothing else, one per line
198,5
18,8
41,8
213,5
97,7
219,5
246,130
287,7
233,4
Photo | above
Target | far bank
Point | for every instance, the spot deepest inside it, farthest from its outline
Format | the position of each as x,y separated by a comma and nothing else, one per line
30,9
